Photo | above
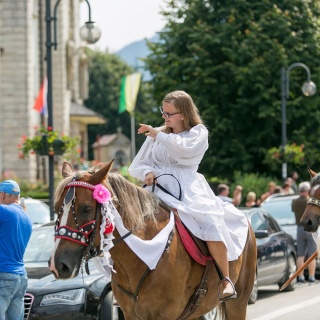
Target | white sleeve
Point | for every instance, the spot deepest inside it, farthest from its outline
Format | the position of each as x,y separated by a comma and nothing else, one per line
143,163
186,148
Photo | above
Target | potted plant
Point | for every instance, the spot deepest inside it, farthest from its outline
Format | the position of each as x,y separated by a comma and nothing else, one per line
47,142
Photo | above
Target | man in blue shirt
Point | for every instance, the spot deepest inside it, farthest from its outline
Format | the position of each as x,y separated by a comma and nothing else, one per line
15,232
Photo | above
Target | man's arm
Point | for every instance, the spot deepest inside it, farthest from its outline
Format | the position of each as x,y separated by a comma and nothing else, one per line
237,195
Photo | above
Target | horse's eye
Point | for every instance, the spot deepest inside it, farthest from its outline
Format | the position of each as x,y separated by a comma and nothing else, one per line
87,209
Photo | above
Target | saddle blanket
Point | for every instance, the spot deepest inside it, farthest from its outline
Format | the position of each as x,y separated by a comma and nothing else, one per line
149,251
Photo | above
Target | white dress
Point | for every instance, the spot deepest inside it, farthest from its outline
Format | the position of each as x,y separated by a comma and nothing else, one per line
205,215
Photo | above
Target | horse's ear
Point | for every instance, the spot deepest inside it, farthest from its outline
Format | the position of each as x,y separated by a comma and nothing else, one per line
312,173
101,174
67,169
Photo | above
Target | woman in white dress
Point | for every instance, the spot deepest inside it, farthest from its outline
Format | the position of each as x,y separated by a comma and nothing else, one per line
173,153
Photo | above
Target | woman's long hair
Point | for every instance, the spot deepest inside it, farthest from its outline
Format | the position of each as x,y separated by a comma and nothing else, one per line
184,104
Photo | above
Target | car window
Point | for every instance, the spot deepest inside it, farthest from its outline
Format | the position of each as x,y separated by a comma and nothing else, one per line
271,225
257,222
281,211
39,212
40,245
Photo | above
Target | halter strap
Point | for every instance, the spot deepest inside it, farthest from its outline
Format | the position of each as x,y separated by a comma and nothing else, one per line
82,184
314,201
84,232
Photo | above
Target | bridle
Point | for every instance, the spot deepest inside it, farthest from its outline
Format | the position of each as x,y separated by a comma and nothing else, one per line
85,234
314,201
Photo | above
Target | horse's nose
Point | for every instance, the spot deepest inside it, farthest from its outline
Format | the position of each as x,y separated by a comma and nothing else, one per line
309,225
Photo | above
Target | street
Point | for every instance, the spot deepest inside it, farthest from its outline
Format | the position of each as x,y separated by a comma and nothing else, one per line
302,303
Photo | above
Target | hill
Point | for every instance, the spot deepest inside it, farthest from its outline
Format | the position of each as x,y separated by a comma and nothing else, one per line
134,52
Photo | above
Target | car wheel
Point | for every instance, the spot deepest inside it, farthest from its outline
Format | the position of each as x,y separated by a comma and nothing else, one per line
212,315
292,267
254,294
107,308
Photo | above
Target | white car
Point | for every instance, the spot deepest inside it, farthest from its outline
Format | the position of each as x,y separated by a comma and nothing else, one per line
38,211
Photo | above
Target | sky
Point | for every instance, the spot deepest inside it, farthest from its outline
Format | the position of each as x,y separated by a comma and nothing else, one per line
123,21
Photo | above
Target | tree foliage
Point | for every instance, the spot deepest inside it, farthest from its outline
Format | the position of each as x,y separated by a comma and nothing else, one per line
105,73
228,56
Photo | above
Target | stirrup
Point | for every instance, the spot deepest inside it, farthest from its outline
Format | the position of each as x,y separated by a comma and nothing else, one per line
232,296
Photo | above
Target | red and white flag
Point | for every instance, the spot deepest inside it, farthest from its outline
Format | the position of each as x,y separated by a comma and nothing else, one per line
40,104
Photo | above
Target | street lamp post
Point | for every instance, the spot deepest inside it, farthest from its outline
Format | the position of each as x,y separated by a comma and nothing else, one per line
90,33
308,88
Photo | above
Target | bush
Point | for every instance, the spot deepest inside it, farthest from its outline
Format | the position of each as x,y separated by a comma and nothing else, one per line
34,190
252,182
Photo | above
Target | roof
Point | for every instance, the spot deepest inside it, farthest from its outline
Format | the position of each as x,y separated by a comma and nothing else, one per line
108,139
85,115
280,197
105,140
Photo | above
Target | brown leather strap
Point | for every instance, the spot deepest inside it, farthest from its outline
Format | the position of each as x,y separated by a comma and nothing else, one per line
198,294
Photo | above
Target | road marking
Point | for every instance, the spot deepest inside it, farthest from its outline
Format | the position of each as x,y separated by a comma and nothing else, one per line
287,310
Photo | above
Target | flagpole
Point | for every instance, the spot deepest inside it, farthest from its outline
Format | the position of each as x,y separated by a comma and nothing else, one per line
133,136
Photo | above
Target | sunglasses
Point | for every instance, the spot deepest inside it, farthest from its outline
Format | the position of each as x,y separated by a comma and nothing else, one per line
166,114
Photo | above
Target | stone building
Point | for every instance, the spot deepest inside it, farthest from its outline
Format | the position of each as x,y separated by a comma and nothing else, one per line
22,70
115,146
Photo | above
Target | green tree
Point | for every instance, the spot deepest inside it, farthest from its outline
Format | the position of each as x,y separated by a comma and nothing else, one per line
228,56
105,73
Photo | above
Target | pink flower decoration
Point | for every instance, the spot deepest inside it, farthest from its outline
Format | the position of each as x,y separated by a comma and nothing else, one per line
101,193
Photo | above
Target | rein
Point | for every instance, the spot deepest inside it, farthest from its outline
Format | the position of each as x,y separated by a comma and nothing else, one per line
156,184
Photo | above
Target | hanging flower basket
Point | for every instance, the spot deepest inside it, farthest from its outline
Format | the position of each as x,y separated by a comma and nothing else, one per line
292,153
47,142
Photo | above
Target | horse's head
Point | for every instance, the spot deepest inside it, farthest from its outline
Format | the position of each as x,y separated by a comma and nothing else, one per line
311,216
77,227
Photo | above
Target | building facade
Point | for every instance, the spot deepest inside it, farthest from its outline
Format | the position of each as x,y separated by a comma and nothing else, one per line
22,71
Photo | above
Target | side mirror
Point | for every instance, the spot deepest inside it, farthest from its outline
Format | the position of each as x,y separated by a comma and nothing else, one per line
260,234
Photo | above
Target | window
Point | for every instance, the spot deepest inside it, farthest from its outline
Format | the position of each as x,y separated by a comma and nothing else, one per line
257,222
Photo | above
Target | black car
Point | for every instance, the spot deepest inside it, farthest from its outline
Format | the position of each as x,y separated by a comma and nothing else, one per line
84,297
276,254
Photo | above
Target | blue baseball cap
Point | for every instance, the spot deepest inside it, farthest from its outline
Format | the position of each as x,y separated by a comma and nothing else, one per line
10,187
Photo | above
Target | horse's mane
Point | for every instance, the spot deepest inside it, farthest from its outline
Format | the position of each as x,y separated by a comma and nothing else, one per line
136,205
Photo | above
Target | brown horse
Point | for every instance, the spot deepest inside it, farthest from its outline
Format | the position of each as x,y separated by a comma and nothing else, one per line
162,293
311,216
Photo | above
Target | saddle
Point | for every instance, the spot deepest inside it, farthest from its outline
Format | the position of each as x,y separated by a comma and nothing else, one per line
197,248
